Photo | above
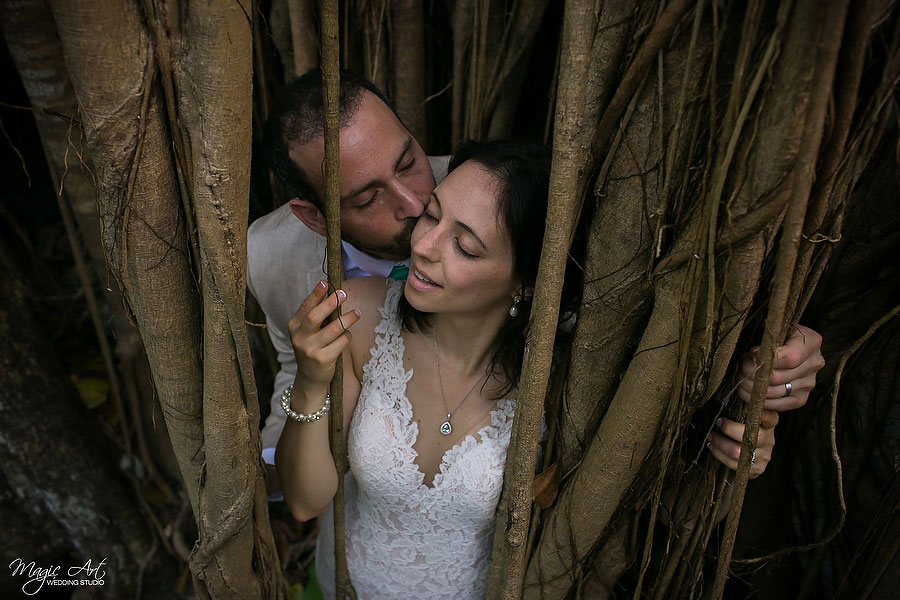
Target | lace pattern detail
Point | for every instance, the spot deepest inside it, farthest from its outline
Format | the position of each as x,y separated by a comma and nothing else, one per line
405,539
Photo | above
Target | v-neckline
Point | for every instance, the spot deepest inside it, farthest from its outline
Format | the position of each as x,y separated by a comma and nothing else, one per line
419,473
411,423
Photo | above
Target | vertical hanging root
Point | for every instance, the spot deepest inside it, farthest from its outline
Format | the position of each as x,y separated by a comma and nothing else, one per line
330,91
562,211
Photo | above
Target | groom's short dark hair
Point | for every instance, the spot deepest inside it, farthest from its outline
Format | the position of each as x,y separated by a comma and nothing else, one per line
297,118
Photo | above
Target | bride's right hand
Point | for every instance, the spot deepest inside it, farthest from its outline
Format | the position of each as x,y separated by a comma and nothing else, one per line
318,344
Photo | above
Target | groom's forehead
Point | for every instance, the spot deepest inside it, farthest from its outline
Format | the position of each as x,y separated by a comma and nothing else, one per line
373,129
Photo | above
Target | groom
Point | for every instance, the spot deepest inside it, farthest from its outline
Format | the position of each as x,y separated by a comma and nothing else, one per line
385,182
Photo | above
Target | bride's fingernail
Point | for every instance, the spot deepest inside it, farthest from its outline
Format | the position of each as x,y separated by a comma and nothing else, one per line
342,295
322,285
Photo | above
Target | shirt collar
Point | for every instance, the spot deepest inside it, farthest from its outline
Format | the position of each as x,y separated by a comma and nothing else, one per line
366,263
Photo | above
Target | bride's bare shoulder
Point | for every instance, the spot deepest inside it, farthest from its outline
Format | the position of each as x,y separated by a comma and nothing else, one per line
365,294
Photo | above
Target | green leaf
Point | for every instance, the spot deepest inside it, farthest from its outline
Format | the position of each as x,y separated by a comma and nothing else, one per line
312,591
93,391
295,592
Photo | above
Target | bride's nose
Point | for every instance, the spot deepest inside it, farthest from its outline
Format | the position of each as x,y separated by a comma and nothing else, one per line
427,245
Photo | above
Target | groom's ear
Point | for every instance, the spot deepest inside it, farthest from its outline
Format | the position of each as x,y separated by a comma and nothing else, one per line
311,216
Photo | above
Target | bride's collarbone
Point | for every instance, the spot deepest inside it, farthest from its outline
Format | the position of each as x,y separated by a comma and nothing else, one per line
468,401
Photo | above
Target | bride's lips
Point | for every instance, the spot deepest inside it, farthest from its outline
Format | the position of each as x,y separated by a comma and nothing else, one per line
420,281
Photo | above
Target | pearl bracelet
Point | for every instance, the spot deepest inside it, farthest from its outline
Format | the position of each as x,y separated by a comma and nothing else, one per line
302,417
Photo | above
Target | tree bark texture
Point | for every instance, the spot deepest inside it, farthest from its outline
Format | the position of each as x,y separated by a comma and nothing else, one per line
168,128
390,47
562,213
30,34
687,319
615,291
806,480
373,18
331,114
141,221
491,47
778,318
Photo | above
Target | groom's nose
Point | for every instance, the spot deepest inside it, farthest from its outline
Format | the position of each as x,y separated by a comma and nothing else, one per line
406,203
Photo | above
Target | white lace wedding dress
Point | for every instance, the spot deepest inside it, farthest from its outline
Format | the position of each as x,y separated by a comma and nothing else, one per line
404,539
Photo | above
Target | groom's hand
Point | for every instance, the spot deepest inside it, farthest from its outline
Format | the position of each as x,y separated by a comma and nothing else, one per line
796,364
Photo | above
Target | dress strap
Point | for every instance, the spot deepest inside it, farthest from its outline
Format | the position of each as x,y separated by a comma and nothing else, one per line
390,320
388,348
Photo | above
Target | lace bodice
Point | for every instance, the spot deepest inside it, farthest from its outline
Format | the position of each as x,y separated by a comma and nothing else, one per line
403,538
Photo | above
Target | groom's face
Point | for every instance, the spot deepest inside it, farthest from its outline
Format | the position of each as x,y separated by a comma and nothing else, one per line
385,179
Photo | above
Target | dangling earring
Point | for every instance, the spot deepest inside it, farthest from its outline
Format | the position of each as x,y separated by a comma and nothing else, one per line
514,309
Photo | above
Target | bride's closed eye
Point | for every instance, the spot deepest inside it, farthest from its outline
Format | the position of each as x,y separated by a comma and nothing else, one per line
463,252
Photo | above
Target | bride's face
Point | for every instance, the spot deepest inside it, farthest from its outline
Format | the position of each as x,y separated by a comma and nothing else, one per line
462,260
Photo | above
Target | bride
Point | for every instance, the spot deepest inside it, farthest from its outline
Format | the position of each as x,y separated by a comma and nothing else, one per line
430,376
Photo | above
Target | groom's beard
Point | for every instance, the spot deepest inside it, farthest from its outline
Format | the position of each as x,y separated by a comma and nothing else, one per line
396,249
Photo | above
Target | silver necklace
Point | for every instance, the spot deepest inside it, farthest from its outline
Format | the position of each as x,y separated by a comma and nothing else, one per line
446,428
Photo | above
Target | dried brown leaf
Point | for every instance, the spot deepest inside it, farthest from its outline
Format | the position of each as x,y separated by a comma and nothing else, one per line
546,486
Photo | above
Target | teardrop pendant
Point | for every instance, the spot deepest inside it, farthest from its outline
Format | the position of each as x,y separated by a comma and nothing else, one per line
446,428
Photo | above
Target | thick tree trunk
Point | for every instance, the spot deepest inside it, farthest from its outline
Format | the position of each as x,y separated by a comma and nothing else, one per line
31,36
211,73
141,218
616,291
175,234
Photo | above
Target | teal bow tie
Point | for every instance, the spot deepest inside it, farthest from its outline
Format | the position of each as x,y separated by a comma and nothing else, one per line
399,272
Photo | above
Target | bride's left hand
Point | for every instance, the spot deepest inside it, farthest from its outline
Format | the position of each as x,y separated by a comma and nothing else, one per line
725,443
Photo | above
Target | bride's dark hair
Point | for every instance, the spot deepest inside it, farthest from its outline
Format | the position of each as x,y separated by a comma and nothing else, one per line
522,172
